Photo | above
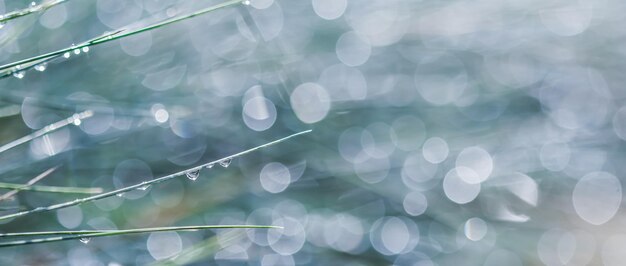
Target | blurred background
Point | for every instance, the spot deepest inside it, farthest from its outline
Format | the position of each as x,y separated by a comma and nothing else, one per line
444,132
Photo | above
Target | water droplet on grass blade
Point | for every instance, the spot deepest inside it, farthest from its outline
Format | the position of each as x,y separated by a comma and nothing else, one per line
85,240
210,166
226,162
76,51
41,67
19,74
144,188
120,195
85,49
66,55
193,175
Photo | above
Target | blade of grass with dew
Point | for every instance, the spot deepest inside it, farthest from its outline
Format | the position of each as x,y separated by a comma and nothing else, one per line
74,119
21,65
29,183
125,232
148,183
29,10
52,189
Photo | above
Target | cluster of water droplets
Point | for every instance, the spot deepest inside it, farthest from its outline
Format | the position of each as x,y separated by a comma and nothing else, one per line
193,174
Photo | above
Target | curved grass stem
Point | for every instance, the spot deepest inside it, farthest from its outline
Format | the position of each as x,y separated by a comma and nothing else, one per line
147,183
21,65
87,234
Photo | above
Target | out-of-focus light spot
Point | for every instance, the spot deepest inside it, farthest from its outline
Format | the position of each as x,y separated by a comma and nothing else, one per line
329,9
556,247
377,140
435,150
352,50
261,4
415,203
350,146
344,83
394,235
597,197
54,17
570,20
259,113
475,229
372,170
441,78
310,102
288,240
70,217
619,123
275,177
409,132
137,45
162,245
277,260
476,159
613,250
456,189
343,232
232,254
416,170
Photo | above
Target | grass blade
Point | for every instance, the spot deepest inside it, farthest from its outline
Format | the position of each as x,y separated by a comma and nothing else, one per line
29,183
147,183
29,10
69,235
51,189
24,64
72,120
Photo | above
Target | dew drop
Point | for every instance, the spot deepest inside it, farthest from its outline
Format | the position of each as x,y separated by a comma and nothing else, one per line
120,195
19,74
76,51
144,188
85,49
33,4
210,166
41,67
66,55
193,175
246,2
85,240
226,162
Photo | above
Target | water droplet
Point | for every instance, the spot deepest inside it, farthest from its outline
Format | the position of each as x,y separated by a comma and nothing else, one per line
41,67
144,188
76,51
85,49
66,55
210,166
33,3
193,175
246,2
85,240
226,162
120,195
19,74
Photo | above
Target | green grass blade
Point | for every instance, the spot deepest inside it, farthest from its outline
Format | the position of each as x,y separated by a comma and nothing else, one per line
51,189
147,183
103,233
29,183
47,129
29,10
24,64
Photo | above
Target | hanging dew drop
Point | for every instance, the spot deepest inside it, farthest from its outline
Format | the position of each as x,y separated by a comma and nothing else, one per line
41,67
144,188
210,166
85,49
193,175
120,195
226,162
19,74
84,240
66,55
76,51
